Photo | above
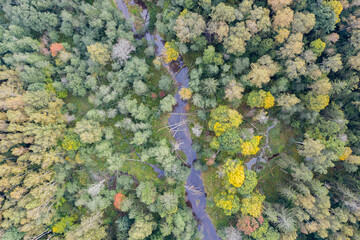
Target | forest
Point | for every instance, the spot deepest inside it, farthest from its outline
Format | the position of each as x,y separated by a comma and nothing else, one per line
179,119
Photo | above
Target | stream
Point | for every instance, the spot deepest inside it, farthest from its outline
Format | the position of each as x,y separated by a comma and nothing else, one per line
194,186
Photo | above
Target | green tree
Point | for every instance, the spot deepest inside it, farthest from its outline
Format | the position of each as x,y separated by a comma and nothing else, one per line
89,131
189,26
147,193
210,56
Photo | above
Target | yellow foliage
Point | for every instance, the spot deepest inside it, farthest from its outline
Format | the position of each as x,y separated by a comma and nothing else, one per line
228,202
169,53
234,172
234,117
252,205
346,154
251,147
318,103
223,119
283,34
185,93
215,144
70,143
269,100
336,7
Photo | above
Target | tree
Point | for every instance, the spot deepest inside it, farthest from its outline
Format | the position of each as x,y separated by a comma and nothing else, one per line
99,53
252,205
236,41
260,99
321,86
317,102
248,224
251,147
71,143
229,141
165,83
210,56
55,48
311,148
233,91
293,46
118,199
89,131
249,183
223,12
336,7
223,118
141,229
189,26
303,22
279,4
346,154
235,172
262,71
283,18
354,62
228,202
287,100
317,46
167,204
147,193
283,34
185,93
167,103
220,29
122,50
230,233
169,52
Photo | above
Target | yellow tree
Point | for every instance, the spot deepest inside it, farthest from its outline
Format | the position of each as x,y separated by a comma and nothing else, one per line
223,118
99,53
169,52
252,205
228,202
251,147
336,7
317,102
235,172
185,93
317,46
260,99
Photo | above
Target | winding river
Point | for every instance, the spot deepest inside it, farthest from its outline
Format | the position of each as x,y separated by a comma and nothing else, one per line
194,186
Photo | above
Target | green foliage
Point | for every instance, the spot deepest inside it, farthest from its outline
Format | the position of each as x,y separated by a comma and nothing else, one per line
249,184
146,191
12,234
210,56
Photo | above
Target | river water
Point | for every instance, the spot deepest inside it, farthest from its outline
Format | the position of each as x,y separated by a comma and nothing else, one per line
197,198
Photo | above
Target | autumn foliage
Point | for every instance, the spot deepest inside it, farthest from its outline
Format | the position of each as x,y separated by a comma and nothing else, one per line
346,153
185,93
252,205
251,147
235,172
169,52
118,199
248,224
223,118
55,48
